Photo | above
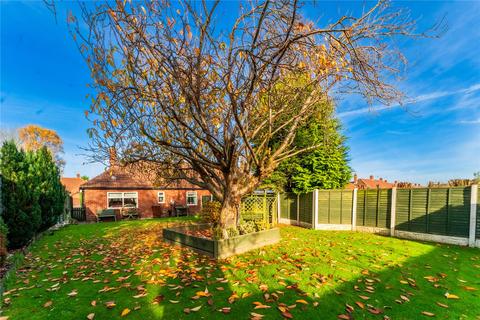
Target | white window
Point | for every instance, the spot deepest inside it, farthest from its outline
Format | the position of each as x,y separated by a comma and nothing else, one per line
117,200
161,197
191,198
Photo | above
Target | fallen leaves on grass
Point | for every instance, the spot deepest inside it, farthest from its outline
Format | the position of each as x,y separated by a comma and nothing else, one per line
48,304
428,314
91,316
73,293
451,296
125,312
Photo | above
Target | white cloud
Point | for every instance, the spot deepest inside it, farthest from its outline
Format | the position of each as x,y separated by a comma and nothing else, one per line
420,98
475,121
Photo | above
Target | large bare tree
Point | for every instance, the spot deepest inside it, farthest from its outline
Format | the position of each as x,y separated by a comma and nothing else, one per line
177,88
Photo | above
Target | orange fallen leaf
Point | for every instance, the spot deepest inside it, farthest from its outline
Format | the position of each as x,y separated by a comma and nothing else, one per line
263,287
451,296
343,317
48,304
125,312
375,310
469,288
364,297
110,304
428,314
360,304
302,301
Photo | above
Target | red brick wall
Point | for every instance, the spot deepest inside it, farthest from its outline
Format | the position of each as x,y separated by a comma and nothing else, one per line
95,200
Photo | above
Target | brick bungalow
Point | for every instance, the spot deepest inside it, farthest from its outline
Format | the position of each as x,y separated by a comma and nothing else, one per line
117,188
72,185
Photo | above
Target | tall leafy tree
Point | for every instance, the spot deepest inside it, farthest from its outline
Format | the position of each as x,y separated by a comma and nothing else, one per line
46,175
325,166
34,137
21,209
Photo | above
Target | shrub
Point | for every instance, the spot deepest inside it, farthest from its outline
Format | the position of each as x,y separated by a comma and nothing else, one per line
32,194
211,213
232,232
247,227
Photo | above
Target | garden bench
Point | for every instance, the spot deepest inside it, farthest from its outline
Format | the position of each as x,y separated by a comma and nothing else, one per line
106,213
129,213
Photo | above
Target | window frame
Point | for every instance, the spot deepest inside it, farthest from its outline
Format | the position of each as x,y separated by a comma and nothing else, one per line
123,199
164,197
196,198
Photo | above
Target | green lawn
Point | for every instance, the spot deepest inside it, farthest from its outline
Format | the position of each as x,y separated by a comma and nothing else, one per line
310,274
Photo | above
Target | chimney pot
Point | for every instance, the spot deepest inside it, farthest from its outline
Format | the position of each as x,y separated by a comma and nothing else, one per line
78,175
355,178
371,177
381,179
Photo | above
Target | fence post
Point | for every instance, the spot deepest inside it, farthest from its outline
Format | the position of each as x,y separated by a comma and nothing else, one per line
473,214
298,209
278,208
354,210
315,209
393,208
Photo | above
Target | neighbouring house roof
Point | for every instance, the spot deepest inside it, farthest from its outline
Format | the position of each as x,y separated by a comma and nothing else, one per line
117,177
375,183
72,185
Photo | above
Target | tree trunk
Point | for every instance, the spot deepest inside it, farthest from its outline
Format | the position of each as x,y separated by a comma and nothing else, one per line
229,212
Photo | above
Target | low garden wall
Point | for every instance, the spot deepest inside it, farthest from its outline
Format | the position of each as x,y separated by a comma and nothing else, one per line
220,249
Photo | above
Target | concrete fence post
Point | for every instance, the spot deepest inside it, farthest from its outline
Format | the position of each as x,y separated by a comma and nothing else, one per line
473,214
315,209
393,211
279,207
298,209
354,209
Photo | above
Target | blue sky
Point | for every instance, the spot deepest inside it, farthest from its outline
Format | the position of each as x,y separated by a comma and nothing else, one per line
434,136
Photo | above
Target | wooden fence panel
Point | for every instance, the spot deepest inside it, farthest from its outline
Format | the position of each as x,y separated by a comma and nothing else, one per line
459,212
418,211
374,207
442,211
402,210
288,206
335,206
384,208
323,206
306,207
438,208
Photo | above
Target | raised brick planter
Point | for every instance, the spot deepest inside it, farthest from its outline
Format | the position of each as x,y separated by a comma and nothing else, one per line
220,249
